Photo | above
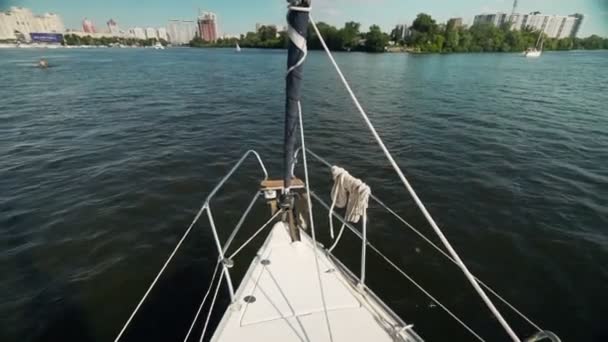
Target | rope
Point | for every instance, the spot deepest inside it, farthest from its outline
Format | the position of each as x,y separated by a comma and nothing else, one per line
143,299
391,263
339,235
217,289
427,240
217,266
410,189
349,192
312,222
255,234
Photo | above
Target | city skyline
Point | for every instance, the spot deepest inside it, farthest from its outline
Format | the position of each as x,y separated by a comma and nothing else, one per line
240,16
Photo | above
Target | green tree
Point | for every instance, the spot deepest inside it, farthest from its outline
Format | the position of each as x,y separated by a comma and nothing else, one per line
424,23
350,35
375,39
452,38
267,33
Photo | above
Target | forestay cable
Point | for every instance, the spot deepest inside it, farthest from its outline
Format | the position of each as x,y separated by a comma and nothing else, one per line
410,189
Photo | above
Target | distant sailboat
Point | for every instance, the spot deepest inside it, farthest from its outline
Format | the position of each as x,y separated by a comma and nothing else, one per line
238,48
536,51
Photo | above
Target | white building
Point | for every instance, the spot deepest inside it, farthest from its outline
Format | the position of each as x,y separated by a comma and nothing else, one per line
137,32
496,19
24,22
151,33
554,26
113,28
567,27
161,33
181,31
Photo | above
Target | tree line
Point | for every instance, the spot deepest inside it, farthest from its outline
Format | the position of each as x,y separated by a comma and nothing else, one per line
425,35
76,40
347,38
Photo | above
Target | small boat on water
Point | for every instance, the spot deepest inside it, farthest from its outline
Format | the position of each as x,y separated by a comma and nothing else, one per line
295,288
537,50
158,46
238,48
43,63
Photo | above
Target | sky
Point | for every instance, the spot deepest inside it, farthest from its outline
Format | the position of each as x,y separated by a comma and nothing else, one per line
240,16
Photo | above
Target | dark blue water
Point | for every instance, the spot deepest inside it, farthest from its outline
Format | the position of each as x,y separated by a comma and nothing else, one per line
106,157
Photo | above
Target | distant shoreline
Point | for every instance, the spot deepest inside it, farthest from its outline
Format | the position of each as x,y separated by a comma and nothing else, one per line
393,50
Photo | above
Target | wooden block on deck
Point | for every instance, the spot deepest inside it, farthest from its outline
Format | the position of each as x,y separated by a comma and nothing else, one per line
278,184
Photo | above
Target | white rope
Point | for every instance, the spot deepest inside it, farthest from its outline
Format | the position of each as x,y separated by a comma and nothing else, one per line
410,189
339,235
255,234
403,273
217,266
298,40
143,299
312,222
427,240
217,289
349,192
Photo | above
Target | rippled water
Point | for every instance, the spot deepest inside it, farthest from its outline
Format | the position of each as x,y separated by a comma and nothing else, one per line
106,157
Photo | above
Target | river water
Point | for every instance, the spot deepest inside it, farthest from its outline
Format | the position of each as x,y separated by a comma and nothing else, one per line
107,156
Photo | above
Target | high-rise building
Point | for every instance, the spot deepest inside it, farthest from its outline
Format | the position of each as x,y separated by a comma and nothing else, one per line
19,23
113,28
181,31
455,23
566,27
161,33
137,32
399,32
576,26
207,26
497,19
554,26
151,33
87,26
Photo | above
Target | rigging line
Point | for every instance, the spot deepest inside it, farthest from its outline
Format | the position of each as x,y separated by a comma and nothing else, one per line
217,290
312,222
217,266
391,263
143,299
424,291
454,261
419,203
255,234
426,239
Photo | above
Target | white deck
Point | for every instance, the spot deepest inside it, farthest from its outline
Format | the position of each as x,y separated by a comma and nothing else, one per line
288,304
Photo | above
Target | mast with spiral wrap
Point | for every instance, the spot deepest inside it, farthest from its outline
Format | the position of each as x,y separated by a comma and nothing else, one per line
297,21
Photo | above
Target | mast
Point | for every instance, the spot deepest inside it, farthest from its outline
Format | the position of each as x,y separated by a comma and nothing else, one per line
297,28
